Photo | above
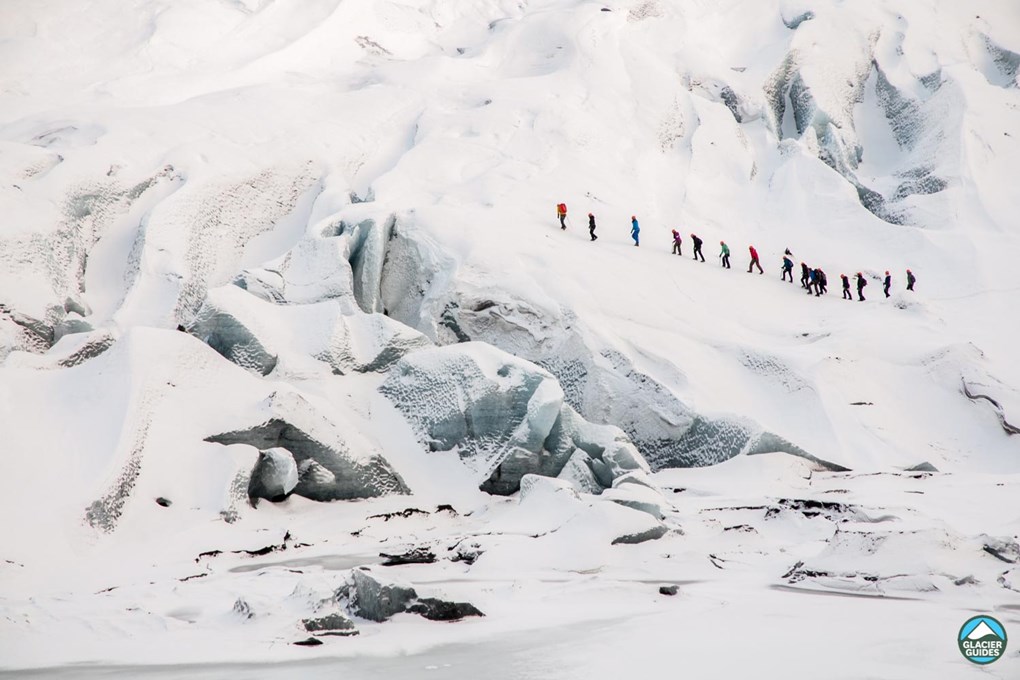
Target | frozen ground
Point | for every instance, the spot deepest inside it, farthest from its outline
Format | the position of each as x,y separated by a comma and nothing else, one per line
272,271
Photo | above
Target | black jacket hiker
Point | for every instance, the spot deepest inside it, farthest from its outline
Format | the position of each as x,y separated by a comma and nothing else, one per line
697,247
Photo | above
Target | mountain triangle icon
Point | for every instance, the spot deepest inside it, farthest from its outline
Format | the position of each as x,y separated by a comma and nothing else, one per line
981,631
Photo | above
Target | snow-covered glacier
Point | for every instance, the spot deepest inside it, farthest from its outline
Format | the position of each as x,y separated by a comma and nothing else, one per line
297,364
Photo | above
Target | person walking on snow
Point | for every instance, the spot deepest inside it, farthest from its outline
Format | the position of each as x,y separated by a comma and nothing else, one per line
846,287
861,283
725,254
677,242
812,283
635,230
910,280
822,281
787,268
591,226
697,247
754,261
886,283
561,212
804,275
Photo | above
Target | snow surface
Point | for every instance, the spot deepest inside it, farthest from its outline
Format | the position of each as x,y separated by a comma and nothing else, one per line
247,216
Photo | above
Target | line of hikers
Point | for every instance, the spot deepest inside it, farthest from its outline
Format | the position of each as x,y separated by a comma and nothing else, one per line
813,280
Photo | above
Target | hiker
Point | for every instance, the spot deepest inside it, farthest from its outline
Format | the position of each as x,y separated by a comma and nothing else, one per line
910,280
846,287
725,254
561,212
887,282
787,267
677,241
635,230
804,275
861,283
591,226
697,247
812,287
821,282
754,261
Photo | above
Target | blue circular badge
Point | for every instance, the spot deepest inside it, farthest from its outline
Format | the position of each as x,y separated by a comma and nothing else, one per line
982,640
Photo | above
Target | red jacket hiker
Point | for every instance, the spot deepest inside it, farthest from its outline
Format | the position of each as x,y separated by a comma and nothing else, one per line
754,261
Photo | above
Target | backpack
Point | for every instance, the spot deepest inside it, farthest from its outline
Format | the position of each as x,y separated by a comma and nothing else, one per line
561,209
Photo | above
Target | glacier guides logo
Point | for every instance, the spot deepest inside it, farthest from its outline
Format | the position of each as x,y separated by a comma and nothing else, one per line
982,640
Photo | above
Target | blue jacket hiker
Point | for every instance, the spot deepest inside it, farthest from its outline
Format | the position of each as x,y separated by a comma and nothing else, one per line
787,268
635,230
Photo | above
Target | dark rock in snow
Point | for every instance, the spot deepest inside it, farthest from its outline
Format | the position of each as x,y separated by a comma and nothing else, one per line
308,642
413,556
669,590
164,502
650,534
365,596
371,599
404,514
441,610
1004,550
331,624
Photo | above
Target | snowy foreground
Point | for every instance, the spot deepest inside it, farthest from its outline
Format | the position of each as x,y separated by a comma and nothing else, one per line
293,349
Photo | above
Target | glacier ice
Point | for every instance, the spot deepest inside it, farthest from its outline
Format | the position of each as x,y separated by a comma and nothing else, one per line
327,469
255,334
275,475
504,416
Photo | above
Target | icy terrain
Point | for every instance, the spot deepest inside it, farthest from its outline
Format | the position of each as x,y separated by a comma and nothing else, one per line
294,350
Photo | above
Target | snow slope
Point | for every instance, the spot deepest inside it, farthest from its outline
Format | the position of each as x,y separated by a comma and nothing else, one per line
331,198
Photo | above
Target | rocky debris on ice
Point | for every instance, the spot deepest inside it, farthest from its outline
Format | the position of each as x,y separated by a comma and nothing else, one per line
875,558
368,597
504,416
327,469
1005,549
